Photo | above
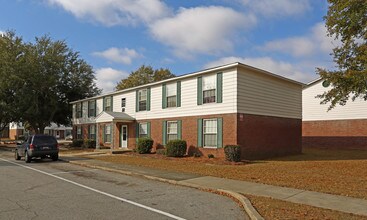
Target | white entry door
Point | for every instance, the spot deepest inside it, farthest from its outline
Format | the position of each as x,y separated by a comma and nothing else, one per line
123,136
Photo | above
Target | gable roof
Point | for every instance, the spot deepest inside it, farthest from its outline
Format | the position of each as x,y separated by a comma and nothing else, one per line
113,116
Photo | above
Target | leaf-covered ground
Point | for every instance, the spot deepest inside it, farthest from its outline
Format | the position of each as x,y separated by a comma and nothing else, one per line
276,209
331,171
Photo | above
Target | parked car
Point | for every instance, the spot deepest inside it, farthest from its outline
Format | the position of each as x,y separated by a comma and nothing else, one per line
38,145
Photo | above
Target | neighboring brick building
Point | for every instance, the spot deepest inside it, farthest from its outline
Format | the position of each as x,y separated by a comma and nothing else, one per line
17,130
343,127
225,105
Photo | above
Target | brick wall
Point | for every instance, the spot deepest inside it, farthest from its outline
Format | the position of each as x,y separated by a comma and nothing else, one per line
265,136
335,134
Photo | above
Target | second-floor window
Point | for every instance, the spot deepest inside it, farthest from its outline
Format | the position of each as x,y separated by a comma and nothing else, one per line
142,99
108,103
92,108
79,110
209,89
171,95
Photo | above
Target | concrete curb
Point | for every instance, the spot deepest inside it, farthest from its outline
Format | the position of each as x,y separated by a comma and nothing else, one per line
242,200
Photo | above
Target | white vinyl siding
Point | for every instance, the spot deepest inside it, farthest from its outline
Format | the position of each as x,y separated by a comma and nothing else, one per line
260,94
314,111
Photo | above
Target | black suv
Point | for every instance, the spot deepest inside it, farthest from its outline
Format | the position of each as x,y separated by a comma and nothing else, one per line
38,145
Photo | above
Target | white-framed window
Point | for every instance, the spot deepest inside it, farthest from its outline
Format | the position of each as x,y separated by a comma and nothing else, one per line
79,132
108,104
107,134
123,102
172,130
209,89
92,108
142,99
171,95
143,130
210,132
79,110
92,132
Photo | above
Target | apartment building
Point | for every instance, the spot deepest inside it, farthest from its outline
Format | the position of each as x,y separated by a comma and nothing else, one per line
233,104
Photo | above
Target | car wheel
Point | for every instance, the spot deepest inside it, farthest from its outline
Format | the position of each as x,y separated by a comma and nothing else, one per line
17,157
27,158
55,157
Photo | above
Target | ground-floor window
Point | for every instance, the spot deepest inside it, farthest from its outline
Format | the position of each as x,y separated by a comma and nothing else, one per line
210,132
143,130
92,132
79,132
107,134
172,130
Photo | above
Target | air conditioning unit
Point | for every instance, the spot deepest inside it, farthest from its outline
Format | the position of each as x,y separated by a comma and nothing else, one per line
122,109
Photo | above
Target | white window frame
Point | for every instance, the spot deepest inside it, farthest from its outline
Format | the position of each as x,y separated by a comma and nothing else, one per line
107,133
108,104
79,110
142,134
79,132
94,132
140,99
123,102
168,130
93,108
208,133
171,88
207,88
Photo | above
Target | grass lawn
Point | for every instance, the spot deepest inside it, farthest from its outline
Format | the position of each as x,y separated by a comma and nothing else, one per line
331,171
276,209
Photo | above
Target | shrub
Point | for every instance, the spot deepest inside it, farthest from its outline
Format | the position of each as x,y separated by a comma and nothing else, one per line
144,145
77,143
176,148
89,143
210,155
233,153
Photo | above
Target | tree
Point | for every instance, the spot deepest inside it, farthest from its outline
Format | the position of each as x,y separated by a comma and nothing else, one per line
347,21
11,53
41,79
144,75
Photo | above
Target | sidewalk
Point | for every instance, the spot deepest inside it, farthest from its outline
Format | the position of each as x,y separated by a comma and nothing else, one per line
321,200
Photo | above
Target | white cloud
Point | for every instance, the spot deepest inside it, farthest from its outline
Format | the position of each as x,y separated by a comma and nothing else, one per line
118,55
281,68
272,8
115,12
200,30
316,42
107,78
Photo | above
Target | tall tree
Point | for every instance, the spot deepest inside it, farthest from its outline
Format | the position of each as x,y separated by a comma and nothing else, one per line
144,75
55,76
347,21
11,63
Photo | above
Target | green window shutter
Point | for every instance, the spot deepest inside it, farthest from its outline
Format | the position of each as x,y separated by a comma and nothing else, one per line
200,132
104,103
164,133
219,88
179,129
148,128
179,94
148,99
111,103
103,133
200,91
137,101
164,97
137,131
219,132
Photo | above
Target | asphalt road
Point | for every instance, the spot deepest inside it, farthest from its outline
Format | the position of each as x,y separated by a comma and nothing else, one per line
58,190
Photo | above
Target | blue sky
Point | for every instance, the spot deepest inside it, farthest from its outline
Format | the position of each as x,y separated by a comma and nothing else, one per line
286,37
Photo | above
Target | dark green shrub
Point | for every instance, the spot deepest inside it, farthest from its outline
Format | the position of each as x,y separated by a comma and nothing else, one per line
176,148
144,145
233,153
89,143
77,143
210,155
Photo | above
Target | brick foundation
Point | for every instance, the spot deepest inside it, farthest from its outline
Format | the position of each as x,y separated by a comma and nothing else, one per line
335,134
265,136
